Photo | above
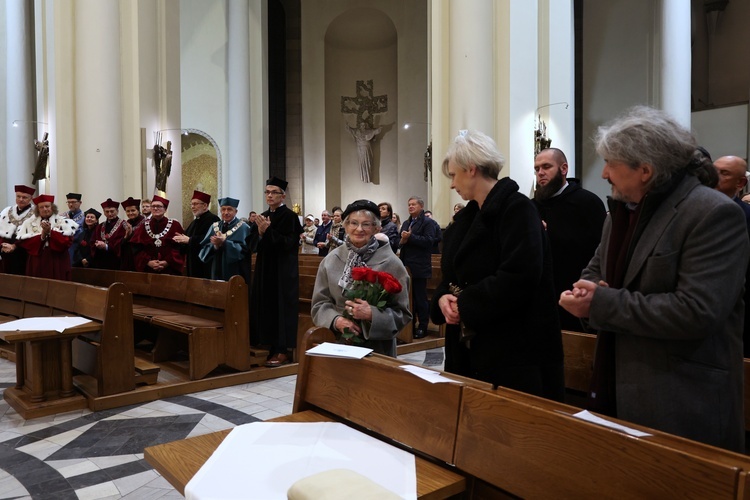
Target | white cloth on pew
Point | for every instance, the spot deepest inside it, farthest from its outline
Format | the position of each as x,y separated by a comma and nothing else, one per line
263,459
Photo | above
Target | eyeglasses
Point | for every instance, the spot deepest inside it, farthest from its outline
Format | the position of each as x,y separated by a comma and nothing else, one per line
196,203
364,225
275,193
157,207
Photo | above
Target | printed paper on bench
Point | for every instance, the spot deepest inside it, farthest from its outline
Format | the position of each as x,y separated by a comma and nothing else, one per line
339,351
56,323
590,417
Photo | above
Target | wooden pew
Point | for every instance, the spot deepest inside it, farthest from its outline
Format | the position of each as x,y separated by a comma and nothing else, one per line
209,317
531,447
373,395
112,365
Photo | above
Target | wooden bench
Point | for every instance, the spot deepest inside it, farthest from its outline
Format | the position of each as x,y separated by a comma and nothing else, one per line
505,442
531,447
108,365
373,395
209,319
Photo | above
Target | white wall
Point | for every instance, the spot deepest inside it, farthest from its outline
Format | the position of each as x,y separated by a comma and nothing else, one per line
617,72
723,131
410,92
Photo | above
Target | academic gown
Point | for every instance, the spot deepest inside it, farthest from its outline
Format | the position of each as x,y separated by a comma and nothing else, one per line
196,231
112,233
233,257
83,250
76,216
127,261
10,221
275,290
48,258
146,249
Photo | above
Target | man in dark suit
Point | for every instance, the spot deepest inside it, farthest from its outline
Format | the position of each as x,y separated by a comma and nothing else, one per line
321,235
732,180
664,287
418,235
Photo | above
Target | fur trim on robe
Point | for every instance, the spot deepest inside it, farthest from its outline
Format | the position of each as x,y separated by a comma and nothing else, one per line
32,227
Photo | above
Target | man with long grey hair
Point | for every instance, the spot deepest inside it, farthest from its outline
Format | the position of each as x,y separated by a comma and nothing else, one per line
664,288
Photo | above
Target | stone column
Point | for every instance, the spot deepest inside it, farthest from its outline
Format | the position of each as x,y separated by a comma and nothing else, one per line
675,59
19,98
98,99
238,181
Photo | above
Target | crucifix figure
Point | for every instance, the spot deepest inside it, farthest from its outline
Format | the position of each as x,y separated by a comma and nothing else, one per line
40,168
365,105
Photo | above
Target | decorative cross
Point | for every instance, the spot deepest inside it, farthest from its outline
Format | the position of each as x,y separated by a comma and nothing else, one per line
364,104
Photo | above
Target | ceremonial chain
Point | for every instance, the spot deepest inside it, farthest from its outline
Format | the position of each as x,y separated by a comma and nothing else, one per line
108,235
157,237
228,233
17,221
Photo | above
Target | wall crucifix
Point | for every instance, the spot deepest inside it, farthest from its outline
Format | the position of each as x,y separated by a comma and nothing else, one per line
364,105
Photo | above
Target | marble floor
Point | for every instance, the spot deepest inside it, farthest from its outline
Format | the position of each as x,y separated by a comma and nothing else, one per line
96,455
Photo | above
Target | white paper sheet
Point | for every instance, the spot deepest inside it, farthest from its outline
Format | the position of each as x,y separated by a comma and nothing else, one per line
589,417
339,351
263,459
56,323
430,376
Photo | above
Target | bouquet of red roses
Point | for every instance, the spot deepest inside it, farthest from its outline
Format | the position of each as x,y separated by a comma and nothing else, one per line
375,288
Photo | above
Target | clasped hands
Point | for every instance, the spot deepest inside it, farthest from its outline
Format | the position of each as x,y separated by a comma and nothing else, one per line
405,236
578,300
262,222
157,265
449,307
359,310
218,240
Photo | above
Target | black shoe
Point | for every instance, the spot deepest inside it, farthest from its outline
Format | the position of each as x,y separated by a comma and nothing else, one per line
420,333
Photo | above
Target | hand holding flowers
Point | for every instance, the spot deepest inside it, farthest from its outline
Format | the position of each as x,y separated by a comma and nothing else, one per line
371,289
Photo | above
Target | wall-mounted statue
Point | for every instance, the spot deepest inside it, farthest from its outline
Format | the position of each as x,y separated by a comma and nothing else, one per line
364,136
40,168
162,166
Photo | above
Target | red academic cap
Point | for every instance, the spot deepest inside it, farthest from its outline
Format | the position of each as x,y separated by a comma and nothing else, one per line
163,201
20,188
110,204
130,202
42,198
199,195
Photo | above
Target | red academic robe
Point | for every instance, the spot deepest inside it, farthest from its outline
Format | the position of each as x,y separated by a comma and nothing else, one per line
109,258
48,258
146,248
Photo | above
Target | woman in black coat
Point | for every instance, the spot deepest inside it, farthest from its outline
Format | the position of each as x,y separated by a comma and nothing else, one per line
497,294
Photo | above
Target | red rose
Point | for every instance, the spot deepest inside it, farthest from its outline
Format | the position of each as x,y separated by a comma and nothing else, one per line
359,273
390,284
372,276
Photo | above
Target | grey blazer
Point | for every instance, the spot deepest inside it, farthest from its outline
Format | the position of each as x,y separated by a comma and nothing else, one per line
678,319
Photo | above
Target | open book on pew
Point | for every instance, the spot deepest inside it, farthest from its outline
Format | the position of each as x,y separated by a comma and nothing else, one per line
333,350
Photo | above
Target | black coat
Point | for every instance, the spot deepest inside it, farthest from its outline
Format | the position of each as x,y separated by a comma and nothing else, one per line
197,230
574,227
274,298
500,258
416,253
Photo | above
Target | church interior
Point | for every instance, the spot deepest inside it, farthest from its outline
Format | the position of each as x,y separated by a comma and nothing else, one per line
345,100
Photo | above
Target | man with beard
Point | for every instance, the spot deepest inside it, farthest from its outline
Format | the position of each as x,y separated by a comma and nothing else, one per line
190,242
573,218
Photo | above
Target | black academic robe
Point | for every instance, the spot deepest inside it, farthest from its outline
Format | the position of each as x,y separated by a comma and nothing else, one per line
275,291
196,231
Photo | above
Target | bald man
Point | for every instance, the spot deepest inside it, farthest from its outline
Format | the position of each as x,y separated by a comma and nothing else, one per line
732,180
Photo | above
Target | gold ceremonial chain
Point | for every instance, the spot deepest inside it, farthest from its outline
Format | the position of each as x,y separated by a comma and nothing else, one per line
107,236
228,233
17,221
157,237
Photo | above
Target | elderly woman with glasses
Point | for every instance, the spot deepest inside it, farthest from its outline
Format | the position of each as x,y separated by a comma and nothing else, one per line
376,327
